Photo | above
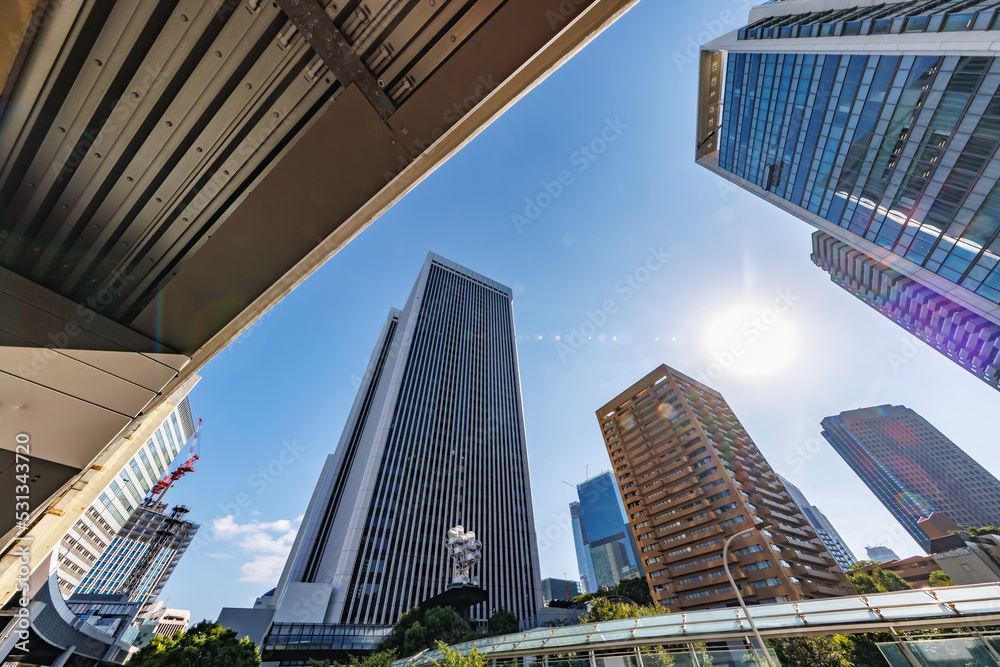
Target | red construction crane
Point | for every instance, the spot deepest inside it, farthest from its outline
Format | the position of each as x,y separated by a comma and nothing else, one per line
161,487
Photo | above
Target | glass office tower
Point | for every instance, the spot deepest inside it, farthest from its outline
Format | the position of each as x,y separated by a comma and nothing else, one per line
878,124
913,469
583,561
606,549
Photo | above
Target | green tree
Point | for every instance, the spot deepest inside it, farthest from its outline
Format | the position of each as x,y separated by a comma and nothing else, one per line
939,578
377,659
888,581
863,583
453,658
877,581
415,639
819,651
604,609
636,590
419,629
503,622
205,644
984,530
863,563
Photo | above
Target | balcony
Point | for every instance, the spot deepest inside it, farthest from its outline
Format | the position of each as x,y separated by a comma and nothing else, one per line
813,559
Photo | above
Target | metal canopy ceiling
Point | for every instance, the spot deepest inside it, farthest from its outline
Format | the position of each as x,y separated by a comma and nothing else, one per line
170,169
135,127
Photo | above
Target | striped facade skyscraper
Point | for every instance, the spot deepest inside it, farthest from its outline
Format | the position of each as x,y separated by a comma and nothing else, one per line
878,123
435,438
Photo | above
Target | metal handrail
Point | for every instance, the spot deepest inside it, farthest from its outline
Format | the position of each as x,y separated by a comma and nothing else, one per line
928,608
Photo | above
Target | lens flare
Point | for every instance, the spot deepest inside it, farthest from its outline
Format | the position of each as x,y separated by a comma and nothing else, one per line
914,504
666,410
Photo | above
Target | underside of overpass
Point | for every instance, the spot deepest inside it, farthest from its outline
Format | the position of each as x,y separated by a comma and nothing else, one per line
170,169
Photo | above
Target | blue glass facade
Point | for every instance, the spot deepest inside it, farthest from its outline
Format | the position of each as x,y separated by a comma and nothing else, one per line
900,150
608,553
880,19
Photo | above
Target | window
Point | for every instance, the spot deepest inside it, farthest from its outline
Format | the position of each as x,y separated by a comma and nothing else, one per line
733,521
759,565
695,596
653,560
752,549
770,581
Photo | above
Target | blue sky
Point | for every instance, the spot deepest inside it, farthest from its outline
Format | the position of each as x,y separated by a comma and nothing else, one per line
274,403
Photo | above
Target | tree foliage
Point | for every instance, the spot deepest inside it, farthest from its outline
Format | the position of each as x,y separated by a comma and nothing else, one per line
452,658
877,581
983,530
419,629
818,651
377,659
863,563
604,609
205,644
636,590
503,622
939,578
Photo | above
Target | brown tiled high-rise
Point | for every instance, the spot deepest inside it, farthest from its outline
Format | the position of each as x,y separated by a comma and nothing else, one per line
691,477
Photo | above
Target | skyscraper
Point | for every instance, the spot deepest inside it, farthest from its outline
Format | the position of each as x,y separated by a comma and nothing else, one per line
824,529
877,123
559,589
435,438
84,544
605,544
691,477
913,468
583,562
967,338
881,554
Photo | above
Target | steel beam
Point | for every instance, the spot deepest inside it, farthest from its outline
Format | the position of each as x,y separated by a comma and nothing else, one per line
332,47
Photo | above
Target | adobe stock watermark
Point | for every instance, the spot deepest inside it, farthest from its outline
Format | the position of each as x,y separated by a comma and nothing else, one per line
625,288
725,21
122,111
258,481
803,453
453,114
85,312
751,332
580,159
909,347
559,526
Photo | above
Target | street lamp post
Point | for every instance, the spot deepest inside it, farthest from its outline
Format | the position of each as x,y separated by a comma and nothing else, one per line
725,563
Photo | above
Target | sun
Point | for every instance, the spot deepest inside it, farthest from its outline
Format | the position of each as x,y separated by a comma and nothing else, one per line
752,341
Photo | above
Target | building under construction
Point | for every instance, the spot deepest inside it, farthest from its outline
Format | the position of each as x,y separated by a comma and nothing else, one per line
143,554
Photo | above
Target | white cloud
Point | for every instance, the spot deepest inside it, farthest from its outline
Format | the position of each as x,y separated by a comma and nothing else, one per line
266,544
